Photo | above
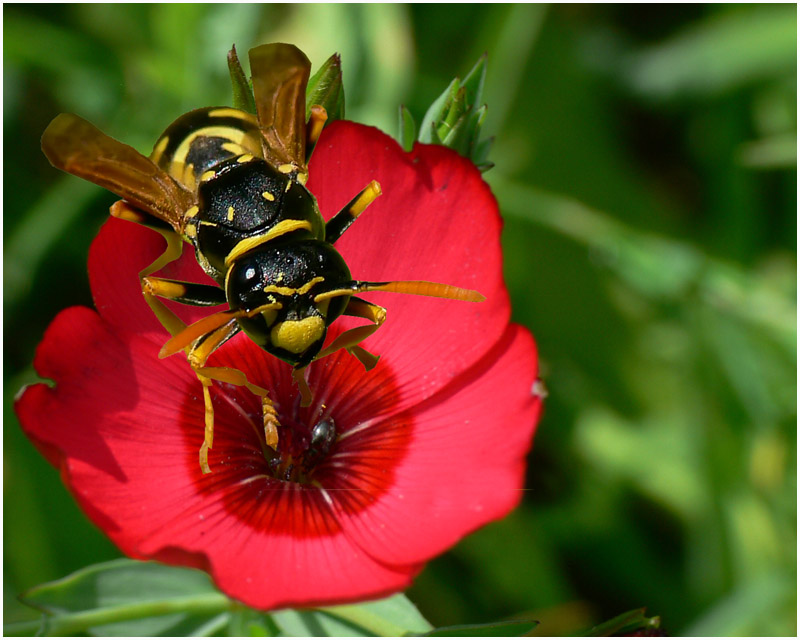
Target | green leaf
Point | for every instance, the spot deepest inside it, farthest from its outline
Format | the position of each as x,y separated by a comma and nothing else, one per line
393,616
506,629
325,88
130,598
408,128
626,624
242,91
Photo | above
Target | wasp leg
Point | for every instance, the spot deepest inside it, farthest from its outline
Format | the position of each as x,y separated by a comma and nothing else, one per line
351,338
192,293
306,397
173,251
238,378
339,223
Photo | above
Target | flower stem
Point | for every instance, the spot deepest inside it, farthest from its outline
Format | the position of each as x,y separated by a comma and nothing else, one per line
363,618
72,623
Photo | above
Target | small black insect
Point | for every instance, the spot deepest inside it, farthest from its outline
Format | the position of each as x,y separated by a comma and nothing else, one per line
233,186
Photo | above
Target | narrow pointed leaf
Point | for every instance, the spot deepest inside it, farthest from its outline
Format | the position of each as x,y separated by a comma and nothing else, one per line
408,129
242,91
509,628
473,82
325,88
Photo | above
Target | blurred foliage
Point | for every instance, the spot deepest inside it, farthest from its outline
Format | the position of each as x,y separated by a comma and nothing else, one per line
646,167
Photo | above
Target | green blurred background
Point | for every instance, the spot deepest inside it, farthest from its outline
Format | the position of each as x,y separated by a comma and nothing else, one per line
646,169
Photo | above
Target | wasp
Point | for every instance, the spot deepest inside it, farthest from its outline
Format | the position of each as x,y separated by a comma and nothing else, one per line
232,185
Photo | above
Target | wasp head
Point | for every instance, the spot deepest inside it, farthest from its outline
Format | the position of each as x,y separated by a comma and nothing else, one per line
281,283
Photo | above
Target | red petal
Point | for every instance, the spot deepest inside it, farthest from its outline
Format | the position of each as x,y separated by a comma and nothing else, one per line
128,428
121,250
436,220
465,463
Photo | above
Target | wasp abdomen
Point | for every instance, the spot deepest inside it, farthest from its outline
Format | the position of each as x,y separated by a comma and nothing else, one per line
201,140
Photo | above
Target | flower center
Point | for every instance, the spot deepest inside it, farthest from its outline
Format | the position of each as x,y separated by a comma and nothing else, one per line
300,449
337,456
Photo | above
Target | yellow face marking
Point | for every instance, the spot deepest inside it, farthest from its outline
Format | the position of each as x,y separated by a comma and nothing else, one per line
247,157
302,178
283,227
158,150
191,212
226,112
208,175
286,168
288,186
288,291
268,196
231,213
191,230
295,336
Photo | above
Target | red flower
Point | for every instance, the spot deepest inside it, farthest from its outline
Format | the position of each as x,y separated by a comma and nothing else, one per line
431,443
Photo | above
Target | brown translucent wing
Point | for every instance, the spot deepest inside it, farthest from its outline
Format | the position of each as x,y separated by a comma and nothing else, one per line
280,75
78,147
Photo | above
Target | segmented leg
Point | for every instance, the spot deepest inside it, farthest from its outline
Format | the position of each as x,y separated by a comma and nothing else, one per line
339,223
202,338
238,378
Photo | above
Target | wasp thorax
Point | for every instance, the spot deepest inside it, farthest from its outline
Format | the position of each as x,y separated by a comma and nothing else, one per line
280,283
245,202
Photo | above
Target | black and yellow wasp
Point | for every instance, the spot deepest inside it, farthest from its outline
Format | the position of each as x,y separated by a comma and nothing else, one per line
232,185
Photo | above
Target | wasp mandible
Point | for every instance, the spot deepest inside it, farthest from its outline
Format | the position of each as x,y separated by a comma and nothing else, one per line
233,186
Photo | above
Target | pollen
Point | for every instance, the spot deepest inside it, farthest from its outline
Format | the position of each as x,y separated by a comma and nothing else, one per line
231,213
268,196
247,157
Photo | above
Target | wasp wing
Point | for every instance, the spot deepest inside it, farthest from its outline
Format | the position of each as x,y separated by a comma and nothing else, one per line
280,75
78,147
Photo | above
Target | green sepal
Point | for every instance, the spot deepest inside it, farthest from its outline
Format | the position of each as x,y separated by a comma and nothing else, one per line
242,90
325,88
455,118
407,128
436,114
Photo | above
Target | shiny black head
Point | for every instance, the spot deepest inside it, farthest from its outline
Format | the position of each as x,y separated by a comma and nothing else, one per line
283,279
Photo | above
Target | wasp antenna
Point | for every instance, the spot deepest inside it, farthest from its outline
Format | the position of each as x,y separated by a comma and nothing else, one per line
423,288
